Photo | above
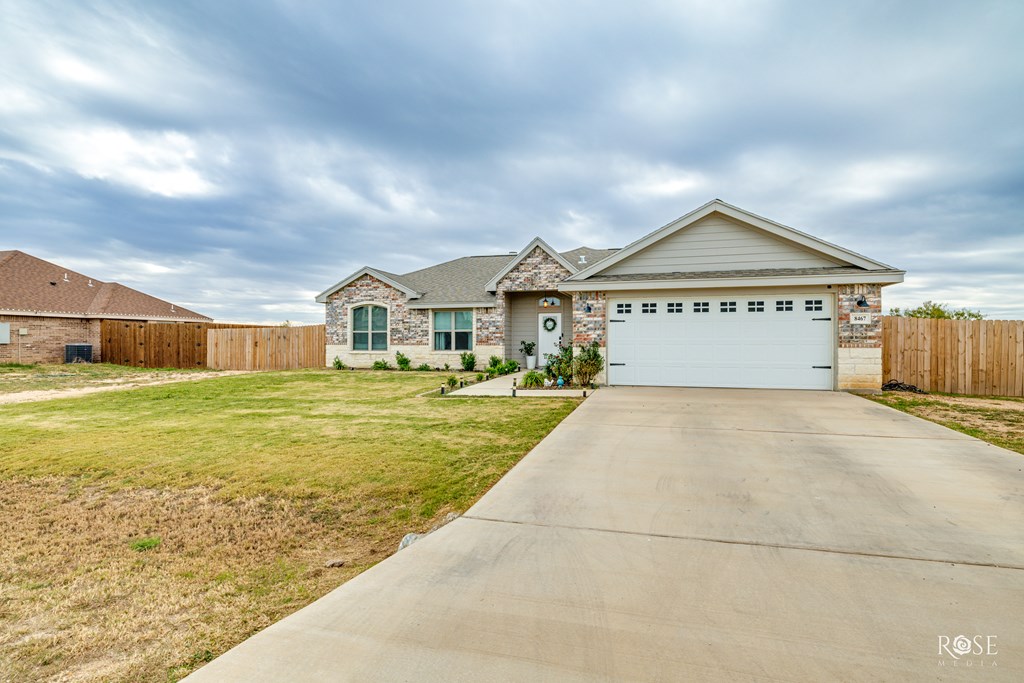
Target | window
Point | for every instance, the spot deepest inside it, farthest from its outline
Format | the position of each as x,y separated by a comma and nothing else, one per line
755,307
648,308
728,307
453,330
675,308
812,305
369,328
623,309
784,305
548,302
701,306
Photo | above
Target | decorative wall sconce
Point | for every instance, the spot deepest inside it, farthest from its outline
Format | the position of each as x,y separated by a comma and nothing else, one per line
862,301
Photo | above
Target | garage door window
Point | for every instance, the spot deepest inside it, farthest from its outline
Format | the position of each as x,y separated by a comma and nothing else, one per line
623,309
755,307
783,306
675,307
648,308
812,305
701,306
728,307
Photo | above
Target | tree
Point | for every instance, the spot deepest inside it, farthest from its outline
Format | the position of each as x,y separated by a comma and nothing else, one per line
930,309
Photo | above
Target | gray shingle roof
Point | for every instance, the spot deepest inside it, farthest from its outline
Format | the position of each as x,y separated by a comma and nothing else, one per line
464,280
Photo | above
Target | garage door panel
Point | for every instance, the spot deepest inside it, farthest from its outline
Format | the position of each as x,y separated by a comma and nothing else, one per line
751,344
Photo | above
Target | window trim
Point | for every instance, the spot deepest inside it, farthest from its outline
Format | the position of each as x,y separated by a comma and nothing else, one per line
350,323
472,331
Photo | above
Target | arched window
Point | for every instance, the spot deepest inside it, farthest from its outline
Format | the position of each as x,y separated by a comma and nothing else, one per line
369,328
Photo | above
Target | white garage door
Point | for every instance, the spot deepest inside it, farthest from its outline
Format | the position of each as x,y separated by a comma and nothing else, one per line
781,341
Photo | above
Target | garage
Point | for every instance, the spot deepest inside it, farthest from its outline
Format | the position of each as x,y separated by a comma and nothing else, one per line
758,339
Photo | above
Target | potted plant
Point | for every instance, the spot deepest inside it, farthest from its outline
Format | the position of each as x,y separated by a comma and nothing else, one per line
528,347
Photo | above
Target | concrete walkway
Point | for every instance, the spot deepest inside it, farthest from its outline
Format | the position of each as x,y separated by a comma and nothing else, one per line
674,534
502,386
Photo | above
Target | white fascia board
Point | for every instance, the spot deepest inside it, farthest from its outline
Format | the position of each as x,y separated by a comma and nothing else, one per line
536,242
717,205
321,298
461,304
888,278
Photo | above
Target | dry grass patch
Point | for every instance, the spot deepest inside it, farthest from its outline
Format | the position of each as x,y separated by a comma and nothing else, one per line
999,421
144,584
16,378
147,531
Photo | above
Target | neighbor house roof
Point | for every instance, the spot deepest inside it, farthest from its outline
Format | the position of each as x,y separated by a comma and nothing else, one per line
32,286
462,281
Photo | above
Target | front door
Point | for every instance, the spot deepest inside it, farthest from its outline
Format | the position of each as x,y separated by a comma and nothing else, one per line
549,334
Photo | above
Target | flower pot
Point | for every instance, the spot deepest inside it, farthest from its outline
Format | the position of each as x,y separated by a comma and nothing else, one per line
531,362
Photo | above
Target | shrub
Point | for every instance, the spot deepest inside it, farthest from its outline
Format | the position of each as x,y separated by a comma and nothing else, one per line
381,364
509,366
532,379
480,377
468,361
402,361
447,367
494,362
560,364
338,365
587,364
452,381
527,347
423,367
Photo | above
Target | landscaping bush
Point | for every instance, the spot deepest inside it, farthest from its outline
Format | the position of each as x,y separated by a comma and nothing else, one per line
560,364
587,364
468,361
338,365
494,362
509,366
452,381
480,377
381,364
423,367
533,380
402,361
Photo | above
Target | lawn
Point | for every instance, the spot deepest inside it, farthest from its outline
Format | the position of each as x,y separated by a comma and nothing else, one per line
149,530
15,377
999,421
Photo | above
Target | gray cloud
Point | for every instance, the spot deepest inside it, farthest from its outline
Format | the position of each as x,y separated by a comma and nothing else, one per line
238,160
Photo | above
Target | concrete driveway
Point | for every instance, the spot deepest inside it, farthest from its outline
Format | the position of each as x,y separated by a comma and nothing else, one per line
695,534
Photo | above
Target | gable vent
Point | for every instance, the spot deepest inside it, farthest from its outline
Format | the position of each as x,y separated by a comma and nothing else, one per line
583,260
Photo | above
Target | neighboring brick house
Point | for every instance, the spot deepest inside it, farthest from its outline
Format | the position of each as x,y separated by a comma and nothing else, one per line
718,297
44,306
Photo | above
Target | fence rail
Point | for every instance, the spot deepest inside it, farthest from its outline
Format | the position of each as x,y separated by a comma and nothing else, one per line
269,348
156,345
983,357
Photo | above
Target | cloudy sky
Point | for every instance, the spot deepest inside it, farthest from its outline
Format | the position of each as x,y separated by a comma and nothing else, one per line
238,159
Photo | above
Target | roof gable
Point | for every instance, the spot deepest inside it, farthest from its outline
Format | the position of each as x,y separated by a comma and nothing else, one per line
718,237
536,243
389,279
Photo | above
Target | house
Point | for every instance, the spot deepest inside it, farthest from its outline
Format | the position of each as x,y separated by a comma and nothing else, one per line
720,297
44,306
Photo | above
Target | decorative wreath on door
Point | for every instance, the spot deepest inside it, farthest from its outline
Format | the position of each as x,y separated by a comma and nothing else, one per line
550,324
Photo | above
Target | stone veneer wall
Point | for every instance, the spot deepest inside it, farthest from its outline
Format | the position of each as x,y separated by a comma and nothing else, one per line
589,327
859,352
46,338
409,329
538,271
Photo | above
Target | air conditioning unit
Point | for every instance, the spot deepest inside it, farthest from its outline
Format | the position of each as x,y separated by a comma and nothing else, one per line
78,353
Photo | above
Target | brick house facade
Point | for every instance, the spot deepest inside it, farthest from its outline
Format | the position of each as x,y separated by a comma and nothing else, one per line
588,280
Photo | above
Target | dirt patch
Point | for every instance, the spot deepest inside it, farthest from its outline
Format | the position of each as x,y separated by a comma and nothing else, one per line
148,584
113,385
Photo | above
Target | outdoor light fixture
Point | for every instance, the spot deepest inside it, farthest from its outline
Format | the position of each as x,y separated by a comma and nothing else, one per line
588,309
862,302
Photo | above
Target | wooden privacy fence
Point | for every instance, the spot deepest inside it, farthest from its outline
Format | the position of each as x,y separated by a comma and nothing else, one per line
268,348
156,345
984,357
